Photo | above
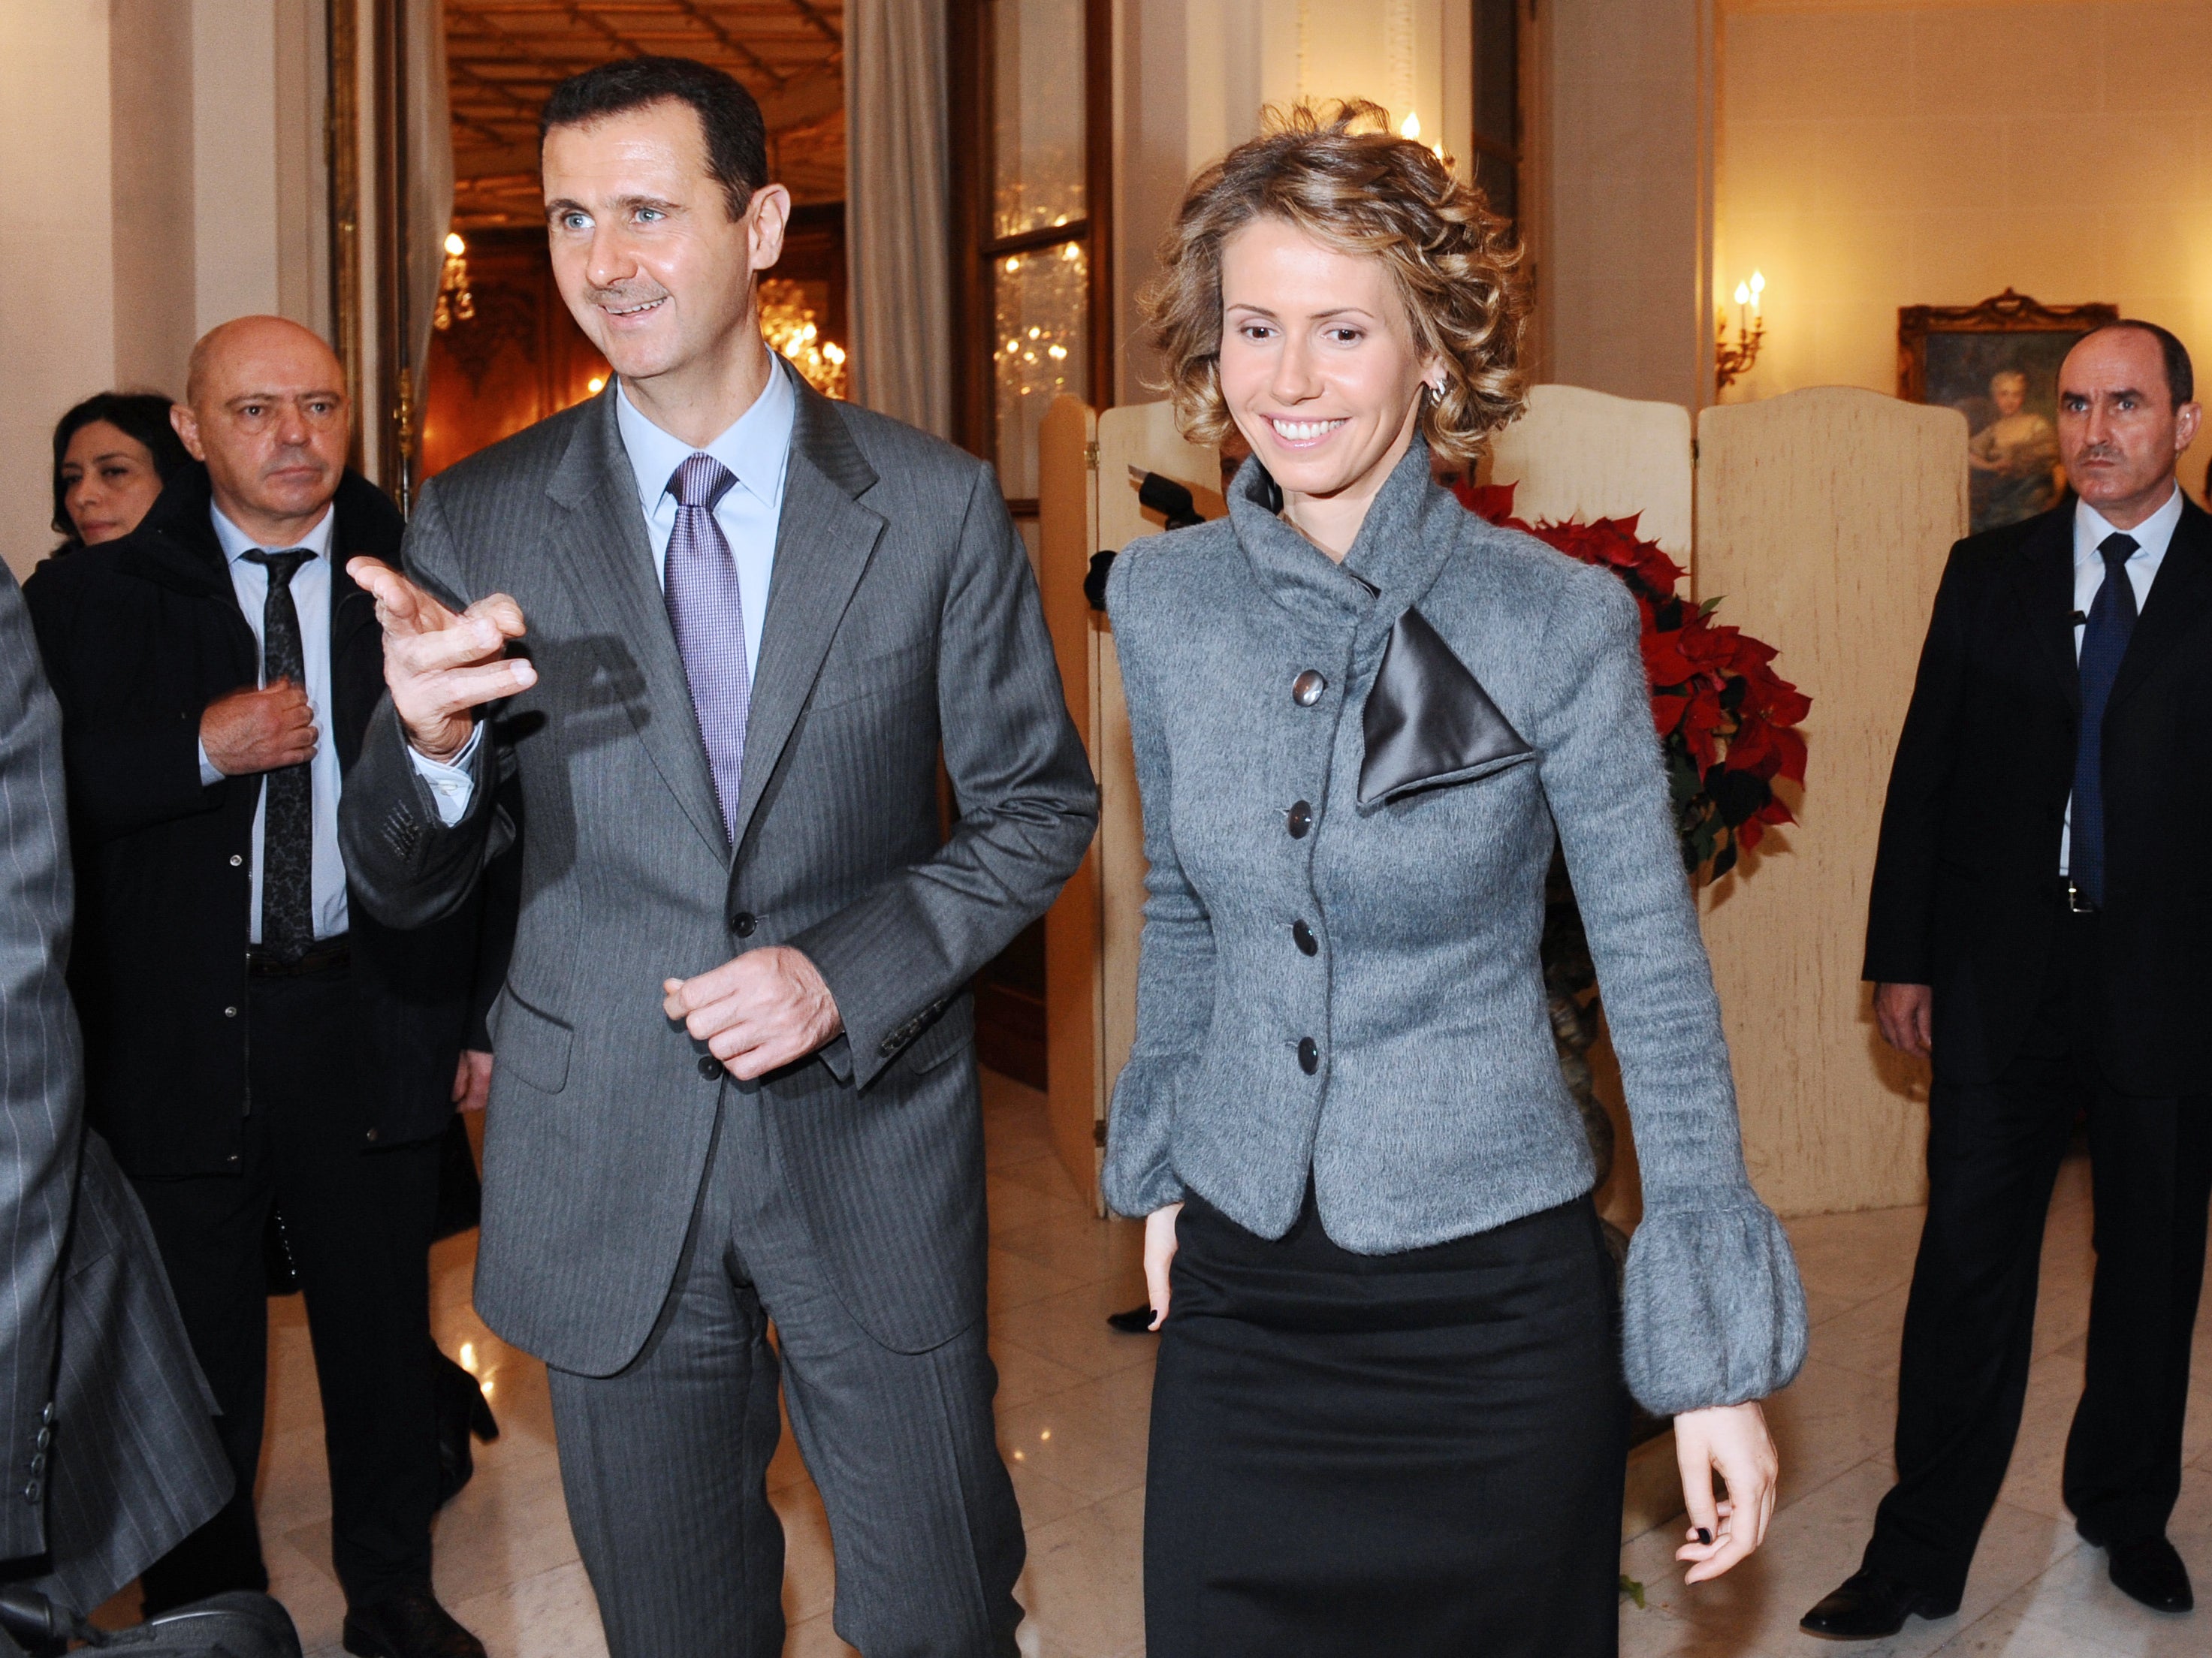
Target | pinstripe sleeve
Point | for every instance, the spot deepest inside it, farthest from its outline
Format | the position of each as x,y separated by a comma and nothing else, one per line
40,1078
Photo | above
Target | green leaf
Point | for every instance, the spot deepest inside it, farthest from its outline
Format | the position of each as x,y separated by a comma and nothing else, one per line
1711,604
1633,1590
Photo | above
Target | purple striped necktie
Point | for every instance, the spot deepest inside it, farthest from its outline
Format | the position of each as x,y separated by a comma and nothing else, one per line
708,610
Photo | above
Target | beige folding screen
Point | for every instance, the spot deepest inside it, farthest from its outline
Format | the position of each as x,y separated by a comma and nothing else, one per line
1824,517
1579,454
1088,502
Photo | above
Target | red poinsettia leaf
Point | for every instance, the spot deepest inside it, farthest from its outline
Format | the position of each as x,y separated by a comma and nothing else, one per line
1789,751
1493,501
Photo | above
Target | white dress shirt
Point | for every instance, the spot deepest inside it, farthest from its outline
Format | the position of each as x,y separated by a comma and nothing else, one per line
311,598
2153,536
756,448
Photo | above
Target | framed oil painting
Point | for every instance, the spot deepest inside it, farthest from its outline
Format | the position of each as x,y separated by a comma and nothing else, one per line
1998,364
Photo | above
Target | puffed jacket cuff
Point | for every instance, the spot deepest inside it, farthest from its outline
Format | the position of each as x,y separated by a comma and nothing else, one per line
1712,1310
1140,1174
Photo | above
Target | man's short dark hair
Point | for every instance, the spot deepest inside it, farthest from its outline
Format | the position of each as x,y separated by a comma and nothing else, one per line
737,137
2180,377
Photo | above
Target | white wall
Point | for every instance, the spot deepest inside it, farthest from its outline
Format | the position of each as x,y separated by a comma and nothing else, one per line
57,331
1903,155
1626,158
1192,76
161,172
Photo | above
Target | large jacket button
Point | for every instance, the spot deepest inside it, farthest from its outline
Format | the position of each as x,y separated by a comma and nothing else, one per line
1303,936
1298,820
1309,1055
742,923
710,1067
1306,689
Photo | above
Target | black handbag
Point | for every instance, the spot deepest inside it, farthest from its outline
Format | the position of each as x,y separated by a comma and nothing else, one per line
239,1624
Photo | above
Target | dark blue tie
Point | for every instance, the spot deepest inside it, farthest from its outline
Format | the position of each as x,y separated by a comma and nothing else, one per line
2104,643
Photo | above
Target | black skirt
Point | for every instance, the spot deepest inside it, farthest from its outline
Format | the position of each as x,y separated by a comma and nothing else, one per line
1419,1454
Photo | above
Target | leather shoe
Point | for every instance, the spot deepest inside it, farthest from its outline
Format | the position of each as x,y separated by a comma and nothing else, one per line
1868,1606
408,1623
2150,1571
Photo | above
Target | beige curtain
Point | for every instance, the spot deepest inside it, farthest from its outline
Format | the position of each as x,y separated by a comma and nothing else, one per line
430,179
897,212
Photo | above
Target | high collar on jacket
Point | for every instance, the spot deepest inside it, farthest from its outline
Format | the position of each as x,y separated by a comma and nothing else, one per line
1395,558
175,543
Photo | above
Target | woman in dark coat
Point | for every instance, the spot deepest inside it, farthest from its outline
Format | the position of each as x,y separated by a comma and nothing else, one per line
113,453
1390,1414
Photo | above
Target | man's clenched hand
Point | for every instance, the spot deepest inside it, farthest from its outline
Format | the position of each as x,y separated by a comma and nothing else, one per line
256,730
764,1009
440,665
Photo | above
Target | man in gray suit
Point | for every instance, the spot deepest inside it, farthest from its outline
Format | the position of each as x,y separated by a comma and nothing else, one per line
108,1453
731,624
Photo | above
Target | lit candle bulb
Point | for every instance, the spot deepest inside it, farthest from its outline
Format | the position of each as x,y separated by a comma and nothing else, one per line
1411,128
1757,287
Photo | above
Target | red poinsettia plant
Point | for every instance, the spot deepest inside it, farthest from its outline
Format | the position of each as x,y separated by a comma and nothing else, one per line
1727,720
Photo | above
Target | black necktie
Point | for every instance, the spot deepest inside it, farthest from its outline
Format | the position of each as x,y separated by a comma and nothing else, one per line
2104,643
288,829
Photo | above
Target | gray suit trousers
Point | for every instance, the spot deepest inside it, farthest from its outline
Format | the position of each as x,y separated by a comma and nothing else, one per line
664,1464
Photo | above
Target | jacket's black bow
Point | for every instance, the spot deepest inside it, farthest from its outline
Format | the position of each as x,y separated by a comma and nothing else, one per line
1428,720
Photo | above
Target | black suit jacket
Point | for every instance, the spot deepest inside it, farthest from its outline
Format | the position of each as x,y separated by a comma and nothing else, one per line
140,634
1964,887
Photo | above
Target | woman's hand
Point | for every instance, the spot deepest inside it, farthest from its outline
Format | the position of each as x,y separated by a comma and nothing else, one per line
1731,1441
1159,1254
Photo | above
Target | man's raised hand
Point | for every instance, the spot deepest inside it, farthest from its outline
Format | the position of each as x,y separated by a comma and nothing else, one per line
437,664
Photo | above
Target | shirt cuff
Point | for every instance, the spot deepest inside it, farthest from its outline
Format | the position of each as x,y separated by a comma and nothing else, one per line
209,776
452,782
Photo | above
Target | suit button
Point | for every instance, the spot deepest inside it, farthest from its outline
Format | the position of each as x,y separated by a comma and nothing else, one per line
372,1136
230,1013
34,1491
235,860
38,1465
1304,937
1298,820
45,1438
710,1067
1306,689
1309,1055
743,924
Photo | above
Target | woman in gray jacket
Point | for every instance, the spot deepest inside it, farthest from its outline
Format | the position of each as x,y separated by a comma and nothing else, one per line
1389,1415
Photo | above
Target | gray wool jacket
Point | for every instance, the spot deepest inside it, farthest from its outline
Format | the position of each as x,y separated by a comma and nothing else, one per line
1408,1061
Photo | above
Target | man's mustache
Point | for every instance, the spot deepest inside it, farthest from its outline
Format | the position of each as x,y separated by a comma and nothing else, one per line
622,298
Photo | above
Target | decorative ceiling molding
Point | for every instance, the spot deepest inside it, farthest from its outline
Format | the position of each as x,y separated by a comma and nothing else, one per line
506,56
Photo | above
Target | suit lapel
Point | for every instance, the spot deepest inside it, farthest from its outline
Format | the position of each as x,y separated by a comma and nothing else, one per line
2047,599
2178,599
823,542
609,563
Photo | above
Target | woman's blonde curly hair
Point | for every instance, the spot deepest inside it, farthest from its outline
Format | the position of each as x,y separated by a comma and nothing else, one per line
1455,263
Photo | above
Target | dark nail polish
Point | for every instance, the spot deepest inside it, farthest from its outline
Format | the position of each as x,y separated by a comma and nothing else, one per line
1704,1536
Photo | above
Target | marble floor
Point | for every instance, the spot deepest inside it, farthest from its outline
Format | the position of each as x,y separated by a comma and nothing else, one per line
1072,1415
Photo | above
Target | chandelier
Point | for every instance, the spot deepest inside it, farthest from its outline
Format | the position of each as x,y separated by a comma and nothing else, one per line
455,302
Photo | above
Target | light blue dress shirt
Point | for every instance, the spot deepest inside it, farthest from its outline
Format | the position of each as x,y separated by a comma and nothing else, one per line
2152,536
756,448
311,596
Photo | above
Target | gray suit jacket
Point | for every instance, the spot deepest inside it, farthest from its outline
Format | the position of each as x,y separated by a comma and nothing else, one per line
110,1450
902,617
1397,1044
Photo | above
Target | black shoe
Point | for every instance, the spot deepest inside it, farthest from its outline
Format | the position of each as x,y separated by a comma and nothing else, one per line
408,1623
1869,1606
1134,1322
2150,1571
461,1411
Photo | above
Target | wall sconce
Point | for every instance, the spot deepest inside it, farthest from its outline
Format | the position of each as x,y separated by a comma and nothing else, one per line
1732,362
455,302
